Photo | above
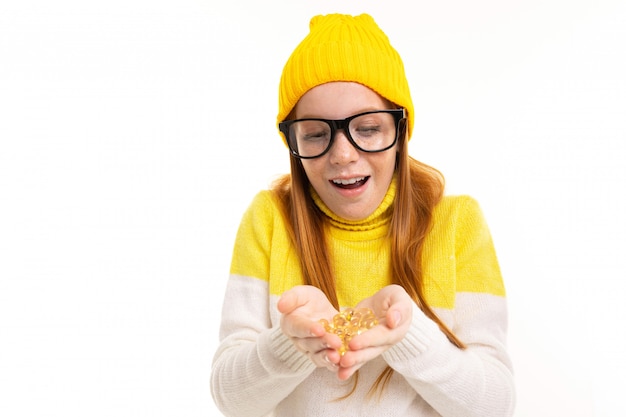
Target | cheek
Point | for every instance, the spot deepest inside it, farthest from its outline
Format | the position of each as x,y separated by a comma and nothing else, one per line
312,169
386,164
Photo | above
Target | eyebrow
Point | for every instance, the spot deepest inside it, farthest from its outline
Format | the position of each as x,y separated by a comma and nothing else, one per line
389,106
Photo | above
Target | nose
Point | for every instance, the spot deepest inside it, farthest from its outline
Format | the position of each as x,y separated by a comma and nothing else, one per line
342,151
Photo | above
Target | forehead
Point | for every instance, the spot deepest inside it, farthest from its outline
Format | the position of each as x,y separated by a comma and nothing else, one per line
337,100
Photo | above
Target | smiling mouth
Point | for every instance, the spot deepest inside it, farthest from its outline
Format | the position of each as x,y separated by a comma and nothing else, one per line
350,183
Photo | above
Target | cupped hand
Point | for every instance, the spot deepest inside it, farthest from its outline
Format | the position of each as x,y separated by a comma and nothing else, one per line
302,307
394,308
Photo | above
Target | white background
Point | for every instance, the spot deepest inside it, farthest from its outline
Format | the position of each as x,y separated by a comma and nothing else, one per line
134,133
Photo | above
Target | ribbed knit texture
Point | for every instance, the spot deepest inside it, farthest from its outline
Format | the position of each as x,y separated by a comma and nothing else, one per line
258,370
344,48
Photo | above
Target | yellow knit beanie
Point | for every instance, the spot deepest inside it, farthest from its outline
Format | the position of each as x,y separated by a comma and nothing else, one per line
344,48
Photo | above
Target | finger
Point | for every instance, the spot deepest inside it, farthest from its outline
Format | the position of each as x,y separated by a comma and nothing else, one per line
297,326
393,318
345,373
322,360
310,345
289,301
374,337
359,357
333,355
330,365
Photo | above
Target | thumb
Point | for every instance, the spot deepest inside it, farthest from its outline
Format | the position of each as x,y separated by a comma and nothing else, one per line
289,301
394,317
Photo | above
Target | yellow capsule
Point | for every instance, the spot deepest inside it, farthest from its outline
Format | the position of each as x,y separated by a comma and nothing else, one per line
369,322
349,323
339,321
325,323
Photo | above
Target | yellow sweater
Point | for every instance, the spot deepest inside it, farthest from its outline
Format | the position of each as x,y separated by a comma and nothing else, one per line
257,370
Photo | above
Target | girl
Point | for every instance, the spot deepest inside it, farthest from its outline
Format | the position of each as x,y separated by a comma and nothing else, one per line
359,223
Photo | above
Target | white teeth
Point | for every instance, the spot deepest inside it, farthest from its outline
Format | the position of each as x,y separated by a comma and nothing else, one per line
349,181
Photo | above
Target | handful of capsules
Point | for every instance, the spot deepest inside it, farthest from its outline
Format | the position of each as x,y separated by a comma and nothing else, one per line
349,323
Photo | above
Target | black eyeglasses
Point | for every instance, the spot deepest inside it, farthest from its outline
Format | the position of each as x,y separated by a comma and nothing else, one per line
372,131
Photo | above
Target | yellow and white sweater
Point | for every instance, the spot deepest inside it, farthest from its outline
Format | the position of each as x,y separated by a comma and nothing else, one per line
257,371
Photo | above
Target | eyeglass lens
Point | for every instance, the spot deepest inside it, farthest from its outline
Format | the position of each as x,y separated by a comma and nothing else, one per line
370,132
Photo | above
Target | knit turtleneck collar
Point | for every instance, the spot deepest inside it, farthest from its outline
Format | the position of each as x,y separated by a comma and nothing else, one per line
380,217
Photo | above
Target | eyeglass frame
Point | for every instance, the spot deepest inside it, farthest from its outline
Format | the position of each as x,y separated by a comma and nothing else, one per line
342,124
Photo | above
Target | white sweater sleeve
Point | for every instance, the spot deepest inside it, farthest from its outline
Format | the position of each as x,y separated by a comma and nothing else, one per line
476,381
255,366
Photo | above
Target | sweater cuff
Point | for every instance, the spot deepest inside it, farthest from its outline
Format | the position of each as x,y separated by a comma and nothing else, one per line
423,335
281,356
